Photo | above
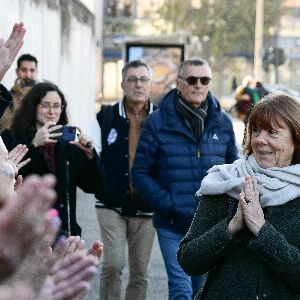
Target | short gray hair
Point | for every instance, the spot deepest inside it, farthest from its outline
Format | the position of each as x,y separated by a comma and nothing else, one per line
134,64
191,62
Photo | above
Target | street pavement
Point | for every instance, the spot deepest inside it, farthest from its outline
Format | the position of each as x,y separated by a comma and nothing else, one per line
158,286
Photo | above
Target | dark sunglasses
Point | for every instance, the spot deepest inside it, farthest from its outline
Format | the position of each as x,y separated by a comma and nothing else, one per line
192,80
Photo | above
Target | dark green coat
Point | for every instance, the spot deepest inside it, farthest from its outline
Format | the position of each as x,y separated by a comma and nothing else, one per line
244,266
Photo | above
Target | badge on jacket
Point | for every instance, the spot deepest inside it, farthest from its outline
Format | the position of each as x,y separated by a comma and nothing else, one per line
112,136
215,137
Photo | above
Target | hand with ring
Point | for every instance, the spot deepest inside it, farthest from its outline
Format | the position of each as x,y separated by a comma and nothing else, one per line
252,210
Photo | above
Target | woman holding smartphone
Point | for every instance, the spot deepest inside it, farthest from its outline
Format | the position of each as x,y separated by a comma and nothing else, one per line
38,124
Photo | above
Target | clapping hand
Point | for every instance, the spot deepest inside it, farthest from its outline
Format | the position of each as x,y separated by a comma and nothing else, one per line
23,218
10,48
76,245
71,269
17,154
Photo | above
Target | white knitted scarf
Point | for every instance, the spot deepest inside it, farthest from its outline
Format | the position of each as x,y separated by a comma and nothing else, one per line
276,185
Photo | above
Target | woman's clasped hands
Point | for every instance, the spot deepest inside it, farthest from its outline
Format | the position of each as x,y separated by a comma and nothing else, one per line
249,212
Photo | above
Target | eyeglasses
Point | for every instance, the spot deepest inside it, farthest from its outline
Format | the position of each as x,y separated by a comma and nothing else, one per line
134,80
192,80
48,106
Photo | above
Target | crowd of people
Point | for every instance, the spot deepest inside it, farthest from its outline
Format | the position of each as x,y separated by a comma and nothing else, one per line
37,261
227,224
247,95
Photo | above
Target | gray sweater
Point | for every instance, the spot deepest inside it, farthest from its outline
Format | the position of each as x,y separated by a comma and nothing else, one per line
244,266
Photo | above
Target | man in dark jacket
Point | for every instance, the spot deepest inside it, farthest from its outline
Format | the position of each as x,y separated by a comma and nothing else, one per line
179,143
123,217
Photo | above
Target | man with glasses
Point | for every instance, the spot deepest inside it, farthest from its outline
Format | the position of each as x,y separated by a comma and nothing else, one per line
123,217
179,143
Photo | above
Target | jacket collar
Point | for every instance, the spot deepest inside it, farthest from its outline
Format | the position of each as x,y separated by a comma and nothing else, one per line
122,112
175,123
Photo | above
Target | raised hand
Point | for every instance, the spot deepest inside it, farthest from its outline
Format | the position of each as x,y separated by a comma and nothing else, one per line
34,269
252,210
84,143
10,48
72,244
17,154
71,270
46,134
69,278
23,220
75,245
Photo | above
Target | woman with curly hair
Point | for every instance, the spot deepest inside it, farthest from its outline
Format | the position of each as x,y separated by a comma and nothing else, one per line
75,163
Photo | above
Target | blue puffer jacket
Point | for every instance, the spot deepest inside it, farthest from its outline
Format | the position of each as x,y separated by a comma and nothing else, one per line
170,163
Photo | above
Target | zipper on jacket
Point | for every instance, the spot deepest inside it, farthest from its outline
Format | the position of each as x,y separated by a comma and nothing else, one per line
198,152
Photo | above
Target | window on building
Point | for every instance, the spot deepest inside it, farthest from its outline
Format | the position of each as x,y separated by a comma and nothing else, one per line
118,8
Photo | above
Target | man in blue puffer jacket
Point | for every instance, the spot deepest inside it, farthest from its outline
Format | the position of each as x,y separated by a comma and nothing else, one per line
182,140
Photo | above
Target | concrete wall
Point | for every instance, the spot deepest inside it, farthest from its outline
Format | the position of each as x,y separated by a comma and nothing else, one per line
61,34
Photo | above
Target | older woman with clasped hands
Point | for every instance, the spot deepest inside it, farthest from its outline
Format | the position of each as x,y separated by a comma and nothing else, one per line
246,232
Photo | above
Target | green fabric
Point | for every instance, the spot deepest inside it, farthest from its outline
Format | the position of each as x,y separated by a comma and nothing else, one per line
255,97
244,266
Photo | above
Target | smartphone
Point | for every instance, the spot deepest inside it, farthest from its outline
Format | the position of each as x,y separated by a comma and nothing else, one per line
69,133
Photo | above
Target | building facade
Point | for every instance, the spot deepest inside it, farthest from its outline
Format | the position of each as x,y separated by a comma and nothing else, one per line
63,36
135,21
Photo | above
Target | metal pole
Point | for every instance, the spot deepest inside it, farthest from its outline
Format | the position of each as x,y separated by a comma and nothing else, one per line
258,51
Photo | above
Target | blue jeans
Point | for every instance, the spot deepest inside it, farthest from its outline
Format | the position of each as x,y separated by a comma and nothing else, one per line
181,286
